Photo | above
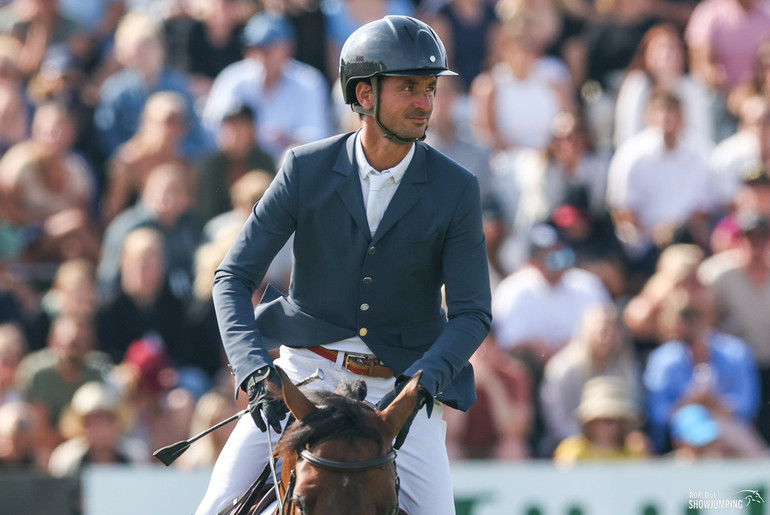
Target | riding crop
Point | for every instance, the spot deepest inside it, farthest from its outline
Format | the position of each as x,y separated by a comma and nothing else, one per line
169,453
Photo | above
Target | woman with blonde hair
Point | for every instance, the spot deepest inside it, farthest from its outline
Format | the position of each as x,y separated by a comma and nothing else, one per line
599,348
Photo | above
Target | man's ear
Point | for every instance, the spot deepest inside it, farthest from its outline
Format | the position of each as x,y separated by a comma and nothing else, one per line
365,95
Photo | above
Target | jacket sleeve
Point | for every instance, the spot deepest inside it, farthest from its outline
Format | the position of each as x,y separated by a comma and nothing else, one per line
468,297
267,229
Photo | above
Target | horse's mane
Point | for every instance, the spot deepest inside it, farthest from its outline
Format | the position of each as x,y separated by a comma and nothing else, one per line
340,415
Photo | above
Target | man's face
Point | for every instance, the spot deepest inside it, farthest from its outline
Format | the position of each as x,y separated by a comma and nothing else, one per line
406,104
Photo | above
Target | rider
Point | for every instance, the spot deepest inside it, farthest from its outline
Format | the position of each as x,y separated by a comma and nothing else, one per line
372,265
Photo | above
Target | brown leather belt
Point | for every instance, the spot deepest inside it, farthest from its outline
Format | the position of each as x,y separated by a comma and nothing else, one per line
360,364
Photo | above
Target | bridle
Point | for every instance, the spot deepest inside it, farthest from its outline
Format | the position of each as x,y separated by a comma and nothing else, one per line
288,500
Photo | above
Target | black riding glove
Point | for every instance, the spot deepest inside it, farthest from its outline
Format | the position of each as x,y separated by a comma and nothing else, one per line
424,398
261,402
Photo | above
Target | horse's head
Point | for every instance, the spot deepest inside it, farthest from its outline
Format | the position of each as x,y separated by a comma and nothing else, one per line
340,451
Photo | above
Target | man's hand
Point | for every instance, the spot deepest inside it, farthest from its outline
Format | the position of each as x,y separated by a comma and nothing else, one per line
262,403
424,398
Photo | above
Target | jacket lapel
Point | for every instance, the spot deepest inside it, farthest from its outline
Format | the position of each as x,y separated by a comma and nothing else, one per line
349,189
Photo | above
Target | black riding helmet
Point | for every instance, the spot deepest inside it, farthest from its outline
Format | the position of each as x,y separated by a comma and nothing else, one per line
393,45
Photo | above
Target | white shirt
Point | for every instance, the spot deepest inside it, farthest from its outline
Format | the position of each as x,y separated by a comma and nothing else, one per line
526,308
660,186
295,110
356,344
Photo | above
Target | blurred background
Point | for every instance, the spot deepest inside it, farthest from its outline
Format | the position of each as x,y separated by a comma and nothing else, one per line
622,149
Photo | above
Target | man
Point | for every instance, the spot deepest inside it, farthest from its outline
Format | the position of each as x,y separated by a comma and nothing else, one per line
658,180
290,99
699,365
369,266
740,288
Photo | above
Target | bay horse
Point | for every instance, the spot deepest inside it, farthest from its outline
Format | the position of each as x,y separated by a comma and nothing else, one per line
337,456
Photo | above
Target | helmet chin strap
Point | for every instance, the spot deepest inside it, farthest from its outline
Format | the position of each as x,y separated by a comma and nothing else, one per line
375,113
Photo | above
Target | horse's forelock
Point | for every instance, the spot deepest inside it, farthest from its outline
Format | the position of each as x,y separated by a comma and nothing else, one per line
337,417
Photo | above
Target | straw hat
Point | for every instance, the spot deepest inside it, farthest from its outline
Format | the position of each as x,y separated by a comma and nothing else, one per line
92,397
605,397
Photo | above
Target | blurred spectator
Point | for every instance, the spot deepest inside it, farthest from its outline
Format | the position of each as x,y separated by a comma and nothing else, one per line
537,182
93,426
740,288
591,234
610,40
211,41
18,444
736,156
658,181
55,126
64,81
38,25
697,434
515,102
537,309
155,143
723,37
676,269
166,206
496,231
13,346
345,16
599,348
465,28
660,64
72,293
237,153
499,423
14,109
448,135
145,308
200,318
607,417
698,365
311,28
50,198
48,380
215,405
139,48
161,412
290,99
245,192
752,196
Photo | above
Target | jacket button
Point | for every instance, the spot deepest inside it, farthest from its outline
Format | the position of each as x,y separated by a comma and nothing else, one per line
368,280
364,306
372,250
362,331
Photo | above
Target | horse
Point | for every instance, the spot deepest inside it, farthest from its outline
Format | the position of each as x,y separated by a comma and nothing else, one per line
337,455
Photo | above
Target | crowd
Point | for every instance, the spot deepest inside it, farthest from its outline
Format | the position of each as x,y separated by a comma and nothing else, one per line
622,147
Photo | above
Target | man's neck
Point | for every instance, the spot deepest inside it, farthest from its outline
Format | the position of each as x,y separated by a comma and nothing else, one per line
381,152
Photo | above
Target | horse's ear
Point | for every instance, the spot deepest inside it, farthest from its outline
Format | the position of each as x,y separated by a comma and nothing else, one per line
402,406
295,400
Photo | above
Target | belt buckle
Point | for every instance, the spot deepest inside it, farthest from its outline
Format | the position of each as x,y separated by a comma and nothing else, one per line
364,360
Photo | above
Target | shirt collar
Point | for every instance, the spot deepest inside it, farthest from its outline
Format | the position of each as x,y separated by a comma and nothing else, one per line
364,168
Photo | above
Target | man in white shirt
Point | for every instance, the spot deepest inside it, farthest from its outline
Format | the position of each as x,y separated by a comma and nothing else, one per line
658,180
290,99
536,310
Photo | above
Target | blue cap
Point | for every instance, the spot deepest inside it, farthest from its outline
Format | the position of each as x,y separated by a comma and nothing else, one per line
694,425
264,29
